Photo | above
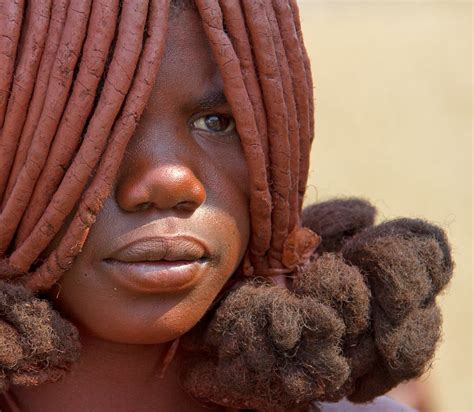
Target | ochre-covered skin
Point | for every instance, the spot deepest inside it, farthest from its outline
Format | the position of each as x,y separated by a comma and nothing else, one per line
170,237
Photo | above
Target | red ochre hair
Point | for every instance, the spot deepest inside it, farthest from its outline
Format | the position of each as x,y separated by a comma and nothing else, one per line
359,316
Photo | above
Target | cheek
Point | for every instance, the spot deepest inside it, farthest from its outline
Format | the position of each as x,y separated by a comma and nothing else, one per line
101,308
232,202
228,190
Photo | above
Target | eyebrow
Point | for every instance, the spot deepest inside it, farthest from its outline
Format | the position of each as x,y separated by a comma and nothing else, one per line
213,99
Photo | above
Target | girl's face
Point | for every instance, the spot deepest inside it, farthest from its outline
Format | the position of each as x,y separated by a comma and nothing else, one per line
176,225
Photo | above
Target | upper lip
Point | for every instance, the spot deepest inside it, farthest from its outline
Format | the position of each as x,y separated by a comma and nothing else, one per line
167,248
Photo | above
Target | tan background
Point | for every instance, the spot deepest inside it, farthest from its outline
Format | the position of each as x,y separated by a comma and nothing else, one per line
394,95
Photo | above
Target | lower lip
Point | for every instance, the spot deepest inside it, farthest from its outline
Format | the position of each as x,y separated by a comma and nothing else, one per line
156,277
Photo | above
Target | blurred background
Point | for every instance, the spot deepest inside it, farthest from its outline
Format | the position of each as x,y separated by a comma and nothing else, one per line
393,111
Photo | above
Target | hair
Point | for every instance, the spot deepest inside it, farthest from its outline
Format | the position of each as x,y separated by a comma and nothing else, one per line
359,316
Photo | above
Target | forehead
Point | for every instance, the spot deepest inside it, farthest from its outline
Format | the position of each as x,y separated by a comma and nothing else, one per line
188,66
186,36
177,6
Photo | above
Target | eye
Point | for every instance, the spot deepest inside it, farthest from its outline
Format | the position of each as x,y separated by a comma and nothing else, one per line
215,123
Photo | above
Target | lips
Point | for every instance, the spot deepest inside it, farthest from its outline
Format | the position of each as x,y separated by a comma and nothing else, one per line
158,264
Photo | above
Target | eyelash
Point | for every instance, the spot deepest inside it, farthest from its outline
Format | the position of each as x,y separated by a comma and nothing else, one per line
200,124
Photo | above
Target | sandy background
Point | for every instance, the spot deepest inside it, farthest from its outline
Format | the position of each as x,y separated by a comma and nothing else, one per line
394,107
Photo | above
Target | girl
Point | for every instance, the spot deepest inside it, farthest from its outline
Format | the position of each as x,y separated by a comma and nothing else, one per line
154,158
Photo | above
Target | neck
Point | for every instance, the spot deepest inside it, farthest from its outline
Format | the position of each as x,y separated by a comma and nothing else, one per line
113,377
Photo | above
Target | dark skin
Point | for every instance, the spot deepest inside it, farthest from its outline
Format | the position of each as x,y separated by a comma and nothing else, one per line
182,185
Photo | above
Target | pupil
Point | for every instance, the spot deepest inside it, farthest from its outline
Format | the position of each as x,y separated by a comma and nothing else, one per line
216,123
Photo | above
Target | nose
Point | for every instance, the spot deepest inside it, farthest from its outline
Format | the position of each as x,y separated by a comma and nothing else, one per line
164,187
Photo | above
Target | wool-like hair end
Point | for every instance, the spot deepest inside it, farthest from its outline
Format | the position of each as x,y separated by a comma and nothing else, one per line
355,323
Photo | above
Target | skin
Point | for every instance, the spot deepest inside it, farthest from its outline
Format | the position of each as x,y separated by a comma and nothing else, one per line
184,174
177,178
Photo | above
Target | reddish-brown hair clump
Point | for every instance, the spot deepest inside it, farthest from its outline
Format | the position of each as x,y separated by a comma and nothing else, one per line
360,318
360,314
72,91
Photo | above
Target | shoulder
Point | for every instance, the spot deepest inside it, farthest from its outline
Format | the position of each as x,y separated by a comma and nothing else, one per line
382,404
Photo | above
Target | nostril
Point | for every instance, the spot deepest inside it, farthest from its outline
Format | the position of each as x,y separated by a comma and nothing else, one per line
167,187
186,206
143,206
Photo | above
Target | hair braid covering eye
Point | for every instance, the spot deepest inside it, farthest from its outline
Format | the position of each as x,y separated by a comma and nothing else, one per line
339,330
357,317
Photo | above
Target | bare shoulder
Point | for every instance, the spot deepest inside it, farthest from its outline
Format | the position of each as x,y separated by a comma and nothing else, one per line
382,404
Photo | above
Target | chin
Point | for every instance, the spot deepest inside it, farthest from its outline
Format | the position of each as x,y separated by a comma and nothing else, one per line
132,329
113,314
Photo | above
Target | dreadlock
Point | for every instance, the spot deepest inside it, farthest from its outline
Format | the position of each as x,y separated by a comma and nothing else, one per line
71,138
75,76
